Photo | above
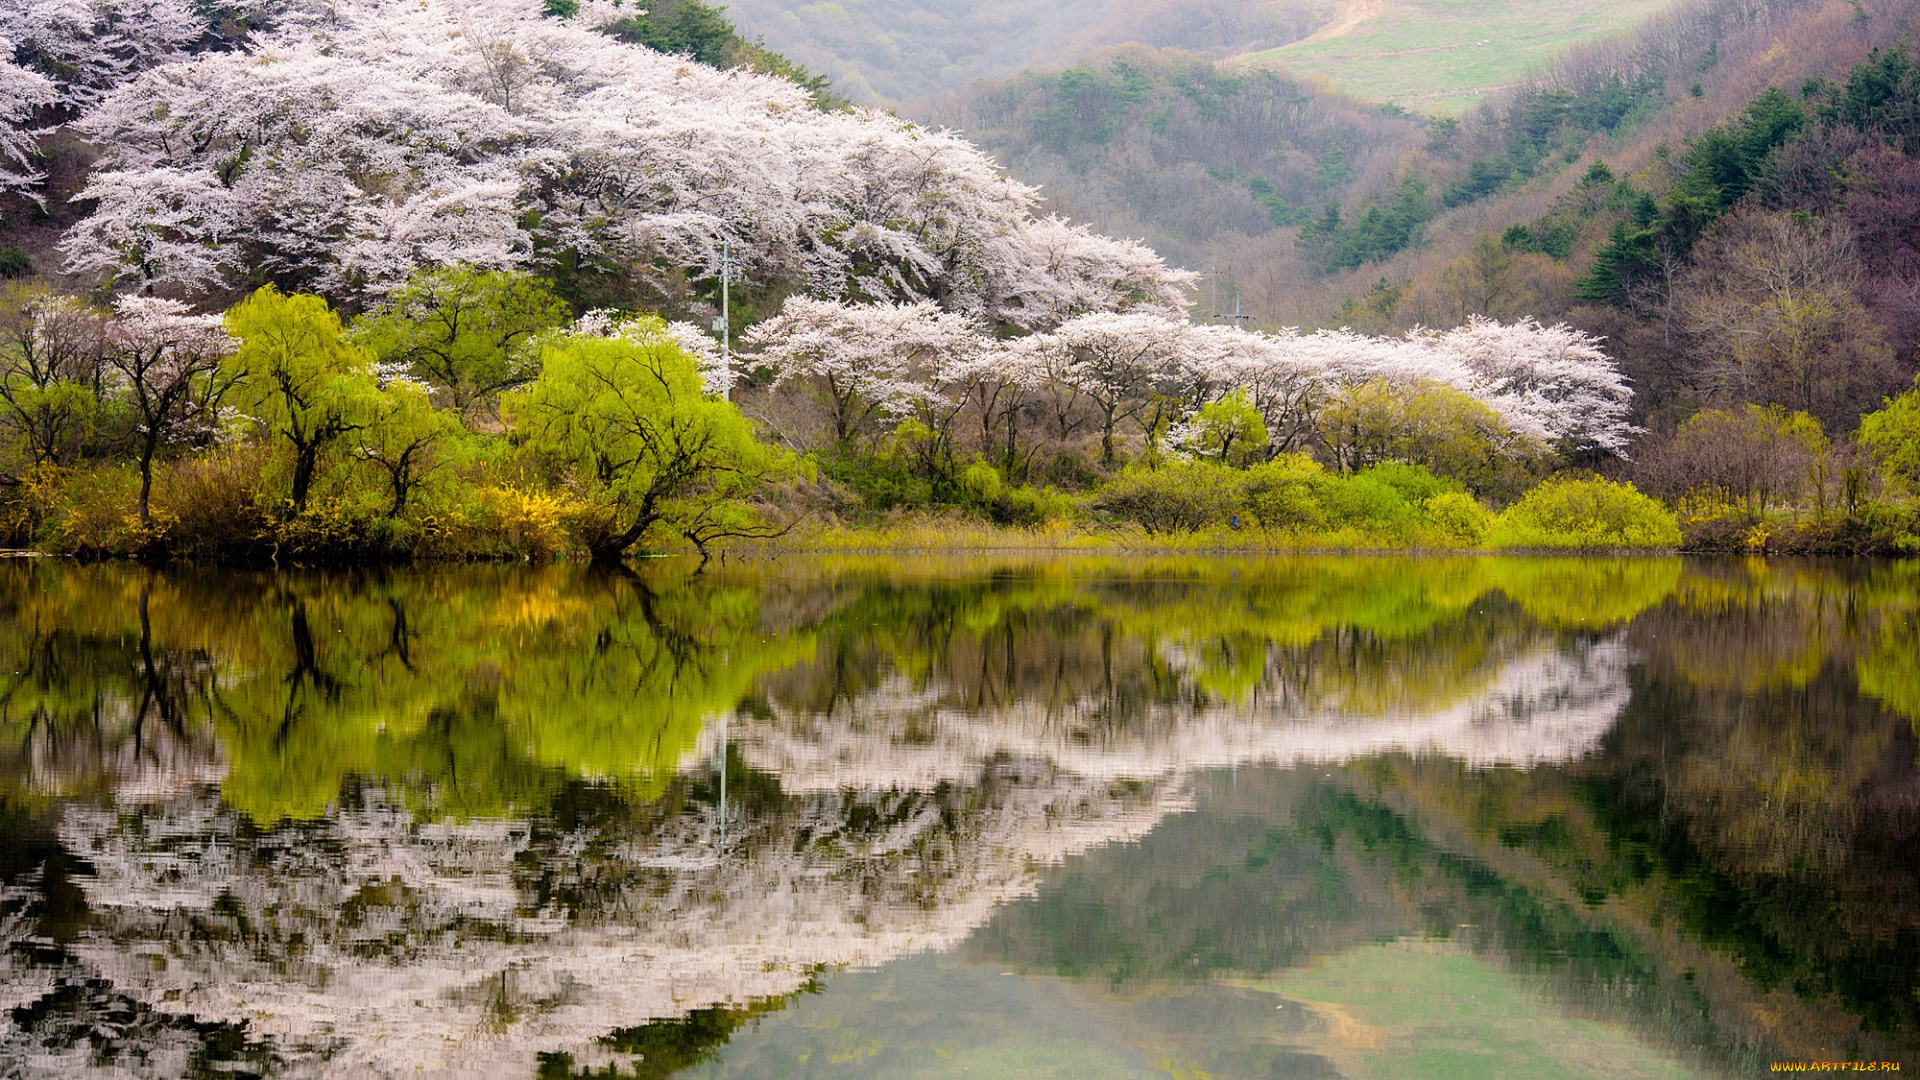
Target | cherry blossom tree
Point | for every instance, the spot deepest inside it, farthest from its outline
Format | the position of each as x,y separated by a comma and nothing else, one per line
1554,382
866,361
22,92
1121,363
165,356
87,47
343,153
162,228
1004,383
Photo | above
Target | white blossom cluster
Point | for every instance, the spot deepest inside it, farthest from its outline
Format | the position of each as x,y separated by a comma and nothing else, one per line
84,48
22,93
1550,383
342,152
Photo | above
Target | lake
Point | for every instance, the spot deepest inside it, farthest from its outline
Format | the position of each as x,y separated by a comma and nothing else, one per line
1021,816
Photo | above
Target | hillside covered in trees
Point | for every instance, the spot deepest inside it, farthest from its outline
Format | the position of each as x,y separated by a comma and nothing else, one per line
903,52
1718,195
436,281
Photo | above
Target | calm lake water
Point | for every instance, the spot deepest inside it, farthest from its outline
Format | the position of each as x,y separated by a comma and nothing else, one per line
1223,818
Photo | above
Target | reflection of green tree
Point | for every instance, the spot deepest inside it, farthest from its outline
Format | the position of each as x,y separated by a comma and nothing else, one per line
1362,635
476,691
1890,669
1585,593
469,692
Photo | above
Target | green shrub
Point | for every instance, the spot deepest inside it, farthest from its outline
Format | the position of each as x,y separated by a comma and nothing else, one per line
1029,506
15,263
1282,493
881,481
1415,483
1584,511
1293,492
981,482
1458,516
1448,432
1176,497
1366,504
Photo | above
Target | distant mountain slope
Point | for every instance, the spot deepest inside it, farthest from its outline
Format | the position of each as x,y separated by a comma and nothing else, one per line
899,52
1443,56
1641,187
1165,144
1424,54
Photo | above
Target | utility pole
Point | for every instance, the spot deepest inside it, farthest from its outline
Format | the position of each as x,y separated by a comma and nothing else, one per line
1236,316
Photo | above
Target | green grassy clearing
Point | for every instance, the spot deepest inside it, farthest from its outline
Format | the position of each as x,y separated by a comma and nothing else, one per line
1444,56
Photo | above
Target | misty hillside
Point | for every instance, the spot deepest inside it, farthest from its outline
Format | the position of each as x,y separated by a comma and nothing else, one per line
1638,187
899,52
1199,157
1432,55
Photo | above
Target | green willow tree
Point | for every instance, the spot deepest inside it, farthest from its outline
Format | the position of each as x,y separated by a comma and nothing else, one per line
627,421
404,437
299,378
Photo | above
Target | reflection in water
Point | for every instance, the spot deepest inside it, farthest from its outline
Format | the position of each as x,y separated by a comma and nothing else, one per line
494,821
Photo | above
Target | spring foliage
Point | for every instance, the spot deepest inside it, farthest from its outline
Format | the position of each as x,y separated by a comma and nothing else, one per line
628,420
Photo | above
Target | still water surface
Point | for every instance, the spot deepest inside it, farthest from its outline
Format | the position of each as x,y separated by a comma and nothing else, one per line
1308,817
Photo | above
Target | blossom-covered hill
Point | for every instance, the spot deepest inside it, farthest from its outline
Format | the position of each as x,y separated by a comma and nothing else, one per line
359,141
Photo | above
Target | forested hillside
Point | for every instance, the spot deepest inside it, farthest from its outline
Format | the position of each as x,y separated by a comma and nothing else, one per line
1164,144
1721,196
1622,189
901,52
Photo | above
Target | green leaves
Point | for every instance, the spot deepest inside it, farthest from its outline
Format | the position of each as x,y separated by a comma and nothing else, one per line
297,376
627,422
464,331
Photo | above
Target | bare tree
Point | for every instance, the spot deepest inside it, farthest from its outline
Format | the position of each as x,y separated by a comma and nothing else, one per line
1772,315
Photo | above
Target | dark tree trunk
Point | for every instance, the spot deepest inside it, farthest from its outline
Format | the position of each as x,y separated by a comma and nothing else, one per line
305,460
148,449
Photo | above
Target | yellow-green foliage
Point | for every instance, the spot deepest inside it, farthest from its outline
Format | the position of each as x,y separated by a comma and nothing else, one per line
1452,435
628,424
462,330
1180,496
1458,516
1230,430
1292,502
468,692
300,380
1584,512
477,691
1585,593
1893,434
